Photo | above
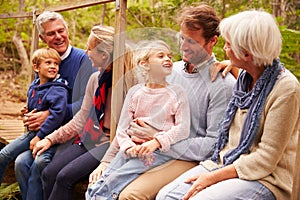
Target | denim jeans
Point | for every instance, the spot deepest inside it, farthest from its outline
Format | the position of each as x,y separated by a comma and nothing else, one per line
28,173
120,173
225,190
13,149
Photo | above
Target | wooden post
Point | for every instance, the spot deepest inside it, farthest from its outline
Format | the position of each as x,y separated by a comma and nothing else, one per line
296,181
118,65
34,45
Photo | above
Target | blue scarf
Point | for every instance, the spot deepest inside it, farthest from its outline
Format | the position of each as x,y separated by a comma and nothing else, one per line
254,101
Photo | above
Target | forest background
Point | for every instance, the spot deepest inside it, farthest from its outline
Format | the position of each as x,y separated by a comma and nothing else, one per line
161,15
16,34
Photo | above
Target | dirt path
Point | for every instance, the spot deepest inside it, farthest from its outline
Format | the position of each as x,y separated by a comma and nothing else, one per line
12,96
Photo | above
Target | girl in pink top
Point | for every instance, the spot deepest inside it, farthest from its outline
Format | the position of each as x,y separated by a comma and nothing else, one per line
161,105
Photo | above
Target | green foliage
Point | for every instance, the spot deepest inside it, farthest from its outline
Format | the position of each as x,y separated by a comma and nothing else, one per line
143,14
290,50
10,192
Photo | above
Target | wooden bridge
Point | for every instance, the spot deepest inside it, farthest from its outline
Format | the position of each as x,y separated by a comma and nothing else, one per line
10,130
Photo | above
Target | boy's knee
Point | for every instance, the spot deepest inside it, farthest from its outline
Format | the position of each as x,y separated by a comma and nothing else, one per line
41,162
20,163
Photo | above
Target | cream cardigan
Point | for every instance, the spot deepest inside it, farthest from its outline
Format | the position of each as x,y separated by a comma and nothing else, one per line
271,159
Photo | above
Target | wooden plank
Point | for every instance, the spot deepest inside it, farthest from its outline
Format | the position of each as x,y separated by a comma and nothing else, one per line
10,130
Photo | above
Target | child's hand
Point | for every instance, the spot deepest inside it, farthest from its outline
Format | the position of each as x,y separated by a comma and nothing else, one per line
148,147
33,142
24,110
132,151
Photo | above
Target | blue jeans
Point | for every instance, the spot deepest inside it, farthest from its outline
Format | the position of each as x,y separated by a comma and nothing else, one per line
226,190
28,173
120,173
13,149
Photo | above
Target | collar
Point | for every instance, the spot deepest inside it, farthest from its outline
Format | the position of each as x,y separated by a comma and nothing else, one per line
205,63
67,53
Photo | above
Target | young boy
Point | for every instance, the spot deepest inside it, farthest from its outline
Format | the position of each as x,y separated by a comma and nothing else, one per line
46,92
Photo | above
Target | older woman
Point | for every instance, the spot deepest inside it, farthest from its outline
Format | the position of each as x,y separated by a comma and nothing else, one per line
255,153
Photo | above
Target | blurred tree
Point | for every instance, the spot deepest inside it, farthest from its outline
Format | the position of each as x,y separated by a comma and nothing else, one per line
144,14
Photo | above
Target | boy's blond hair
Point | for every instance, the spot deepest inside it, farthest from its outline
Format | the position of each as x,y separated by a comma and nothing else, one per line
44,53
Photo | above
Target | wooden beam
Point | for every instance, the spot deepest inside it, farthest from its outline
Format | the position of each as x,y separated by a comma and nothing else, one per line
59,8
118,65
15,15
296,181
81,4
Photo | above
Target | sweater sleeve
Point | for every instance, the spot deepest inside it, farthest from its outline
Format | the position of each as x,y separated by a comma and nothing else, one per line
74,126
79,88
125,118
181,128
111,152
57,99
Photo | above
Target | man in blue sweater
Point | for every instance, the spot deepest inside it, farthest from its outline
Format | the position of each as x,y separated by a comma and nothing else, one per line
76,68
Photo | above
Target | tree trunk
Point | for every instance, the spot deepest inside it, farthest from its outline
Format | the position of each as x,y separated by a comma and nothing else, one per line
276,5
17,40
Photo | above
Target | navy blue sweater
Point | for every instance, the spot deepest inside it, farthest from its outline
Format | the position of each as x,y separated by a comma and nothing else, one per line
52,96
76,69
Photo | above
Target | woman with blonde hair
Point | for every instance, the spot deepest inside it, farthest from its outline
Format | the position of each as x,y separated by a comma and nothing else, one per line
89,127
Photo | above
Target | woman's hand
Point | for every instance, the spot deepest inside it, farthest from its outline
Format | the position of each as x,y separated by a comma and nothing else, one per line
33,120
41,146
33,142
207,179
224,66
201,182
97,173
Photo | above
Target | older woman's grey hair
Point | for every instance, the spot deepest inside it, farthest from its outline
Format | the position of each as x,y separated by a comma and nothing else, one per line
255,32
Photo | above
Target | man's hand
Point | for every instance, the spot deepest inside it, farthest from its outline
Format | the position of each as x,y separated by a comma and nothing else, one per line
141,131
33,120
33,142
97,173
41,146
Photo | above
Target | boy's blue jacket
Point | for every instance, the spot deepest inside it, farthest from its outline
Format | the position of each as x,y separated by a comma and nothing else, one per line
52,96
